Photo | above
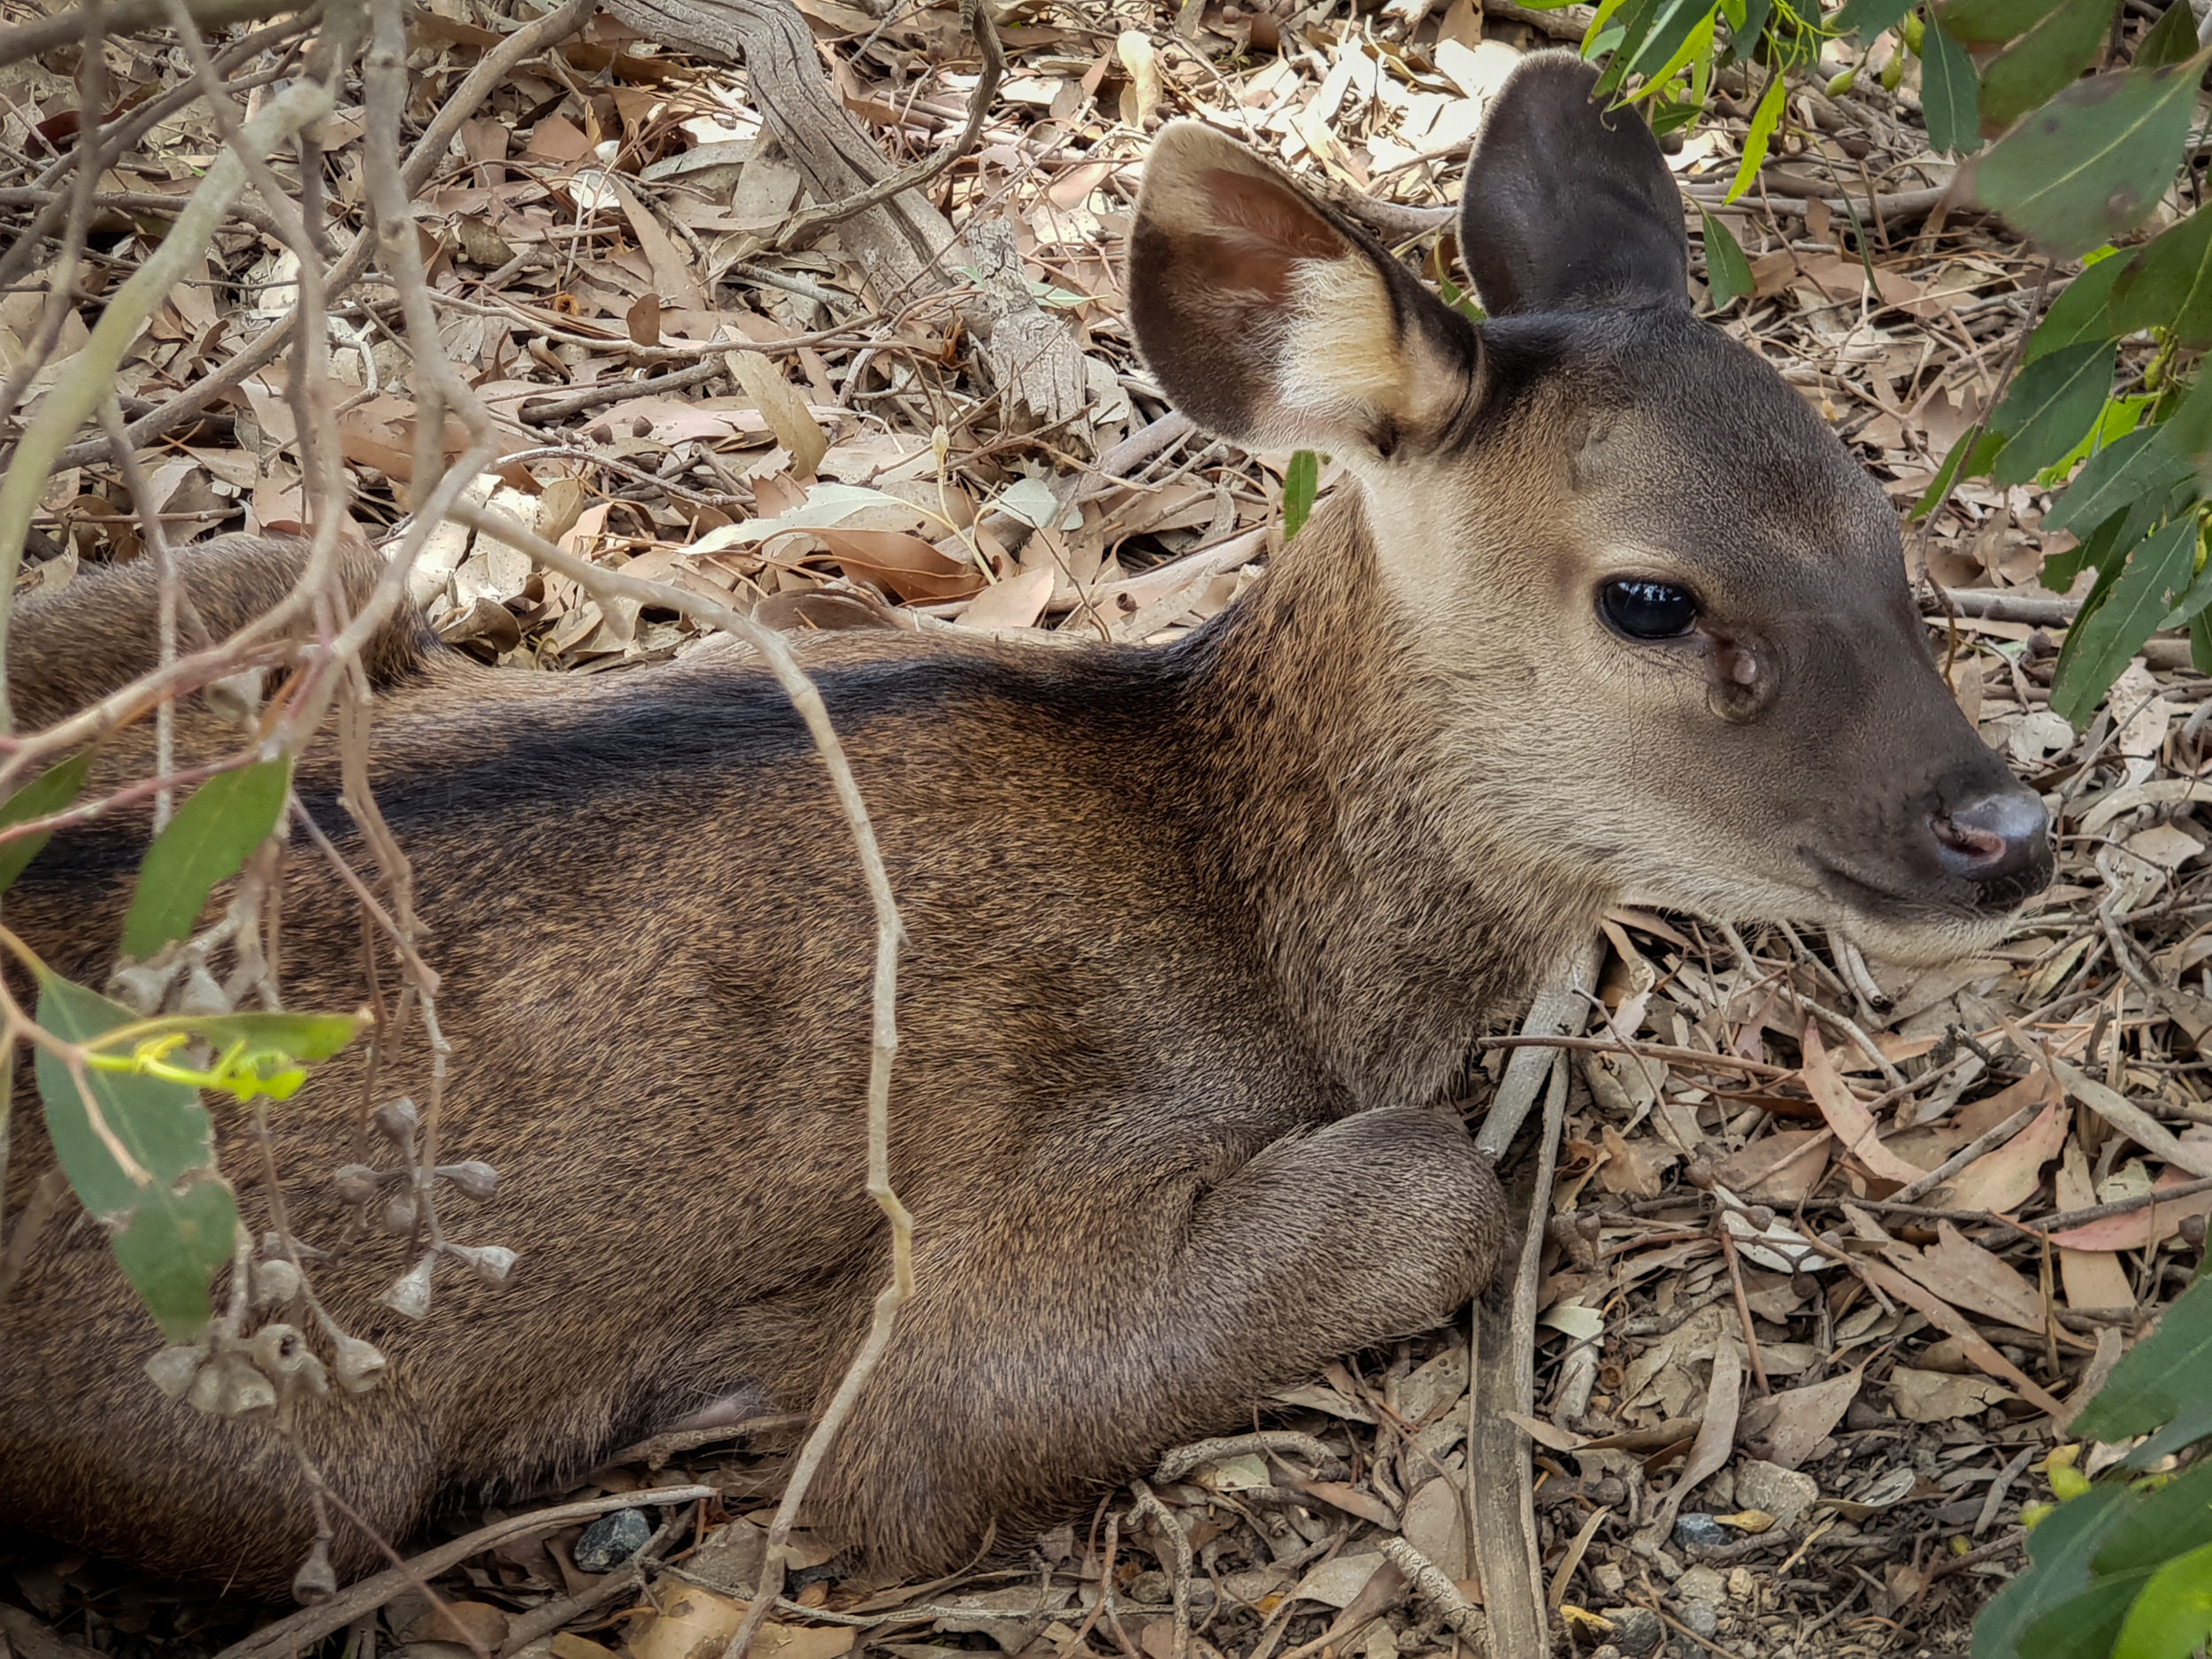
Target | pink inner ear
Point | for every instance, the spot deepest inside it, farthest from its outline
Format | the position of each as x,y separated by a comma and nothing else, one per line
1277,225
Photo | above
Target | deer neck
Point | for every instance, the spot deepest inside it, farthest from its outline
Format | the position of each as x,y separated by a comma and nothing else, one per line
1393,912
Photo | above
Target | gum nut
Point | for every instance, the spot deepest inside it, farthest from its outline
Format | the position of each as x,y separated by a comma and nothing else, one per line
275,1282
359,1363
410,1296
173,1370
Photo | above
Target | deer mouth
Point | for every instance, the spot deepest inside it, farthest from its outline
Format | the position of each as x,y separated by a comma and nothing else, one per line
1929,922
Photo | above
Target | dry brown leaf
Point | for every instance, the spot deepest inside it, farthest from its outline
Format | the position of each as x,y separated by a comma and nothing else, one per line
2002,1180
1435,1523
1804,1417
905,564
696,1624
1141,103
1632,1167
1016,602
1967,1276
1947,1318
1780,1168
2094,1278
1937,1396
2138,1228
2133,1122
1716,1429
477,1623
783,407
1848,1116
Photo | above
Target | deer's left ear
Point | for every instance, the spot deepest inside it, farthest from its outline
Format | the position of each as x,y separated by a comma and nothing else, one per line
1569,203
1271,321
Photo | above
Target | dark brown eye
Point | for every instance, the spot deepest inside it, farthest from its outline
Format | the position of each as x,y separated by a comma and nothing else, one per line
1647,610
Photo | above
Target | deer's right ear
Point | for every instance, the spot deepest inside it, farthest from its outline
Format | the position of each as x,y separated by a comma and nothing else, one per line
1271,321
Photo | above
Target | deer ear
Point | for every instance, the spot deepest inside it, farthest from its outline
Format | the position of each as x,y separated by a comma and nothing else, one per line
1271,321
1569,204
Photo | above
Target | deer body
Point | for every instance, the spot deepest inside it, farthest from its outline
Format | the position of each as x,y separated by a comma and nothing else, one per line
1197,935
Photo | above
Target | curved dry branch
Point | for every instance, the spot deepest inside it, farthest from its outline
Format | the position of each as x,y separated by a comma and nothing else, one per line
30,39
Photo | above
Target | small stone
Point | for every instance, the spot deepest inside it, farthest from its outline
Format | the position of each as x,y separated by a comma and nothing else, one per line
1636,1630
1701,1616
1785,1494
1699,1531
731,1558
611,1539
1741,1585
1610,1578
1699,1584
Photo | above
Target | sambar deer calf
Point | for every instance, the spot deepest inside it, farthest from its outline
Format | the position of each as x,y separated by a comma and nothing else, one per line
1198,934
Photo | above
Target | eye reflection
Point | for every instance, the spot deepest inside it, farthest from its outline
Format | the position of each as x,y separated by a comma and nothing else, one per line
1648,609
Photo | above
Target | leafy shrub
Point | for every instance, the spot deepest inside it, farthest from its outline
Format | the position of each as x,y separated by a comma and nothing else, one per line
2123,1567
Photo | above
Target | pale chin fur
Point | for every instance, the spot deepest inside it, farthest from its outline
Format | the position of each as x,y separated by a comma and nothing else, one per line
1929,944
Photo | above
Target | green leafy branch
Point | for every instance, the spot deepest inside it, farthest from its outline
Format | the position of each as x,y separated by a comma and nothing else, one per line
2121,1567
122,1092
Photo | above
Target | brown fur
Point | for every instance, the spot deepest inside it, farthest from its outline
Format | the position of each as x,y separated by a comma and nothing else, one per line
1196,937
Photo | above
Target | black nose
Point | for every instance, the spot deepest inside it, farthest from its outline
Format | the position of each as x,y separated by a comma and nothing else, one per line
2004,837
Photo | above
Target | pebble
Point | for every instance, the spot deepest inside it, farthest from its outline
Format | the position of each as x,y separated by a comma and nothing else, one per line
1697,1531
1701,1616
1636,1630
1785,1494
611,1539
1699,1584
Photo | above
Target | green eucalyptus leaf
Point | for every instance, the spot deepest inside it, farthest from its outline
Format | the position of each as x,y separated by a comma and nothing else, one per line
1949,97
2175,1517
1636,19
1870,18
2159,567
49,793
309,1037
160,1127
2080,312
1683,26
1745,39
2106,554
2192,1424
2059,1551
2170,1368
2172,1618
1727,272
166,1203
171,1250
2188,422
1764,120
2053,402
2172,40
2117,476
2044,60
2168,284
1301,482
208,842
2060,571
1974,452
1994,22
2091,164
2086,1625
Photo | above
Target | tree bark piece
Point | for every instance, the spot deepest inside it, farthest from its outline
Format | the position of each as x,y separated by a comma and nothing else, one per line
904,245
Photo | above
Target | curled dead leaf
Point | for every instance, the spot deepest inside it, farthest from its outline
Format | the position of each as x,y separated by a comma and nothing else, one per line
1751,1521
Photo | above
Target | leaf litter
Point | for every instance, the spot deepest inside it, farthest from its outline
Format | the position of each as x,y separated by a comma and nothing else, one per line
1805,1332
